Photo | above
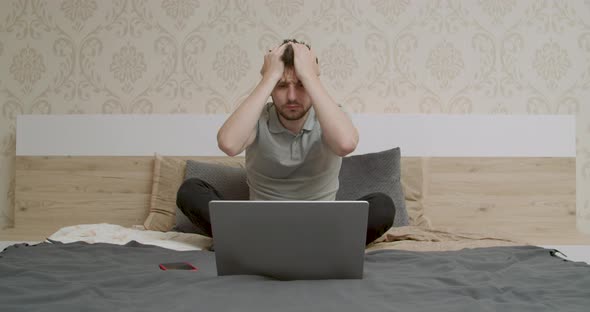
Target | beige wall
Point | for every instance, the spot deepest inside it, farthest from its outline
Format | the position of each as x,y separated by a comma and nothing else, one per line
183,56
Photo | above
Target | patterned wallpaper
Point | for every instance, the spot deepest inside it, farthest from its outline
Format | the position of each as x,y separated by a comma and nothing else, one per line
383,56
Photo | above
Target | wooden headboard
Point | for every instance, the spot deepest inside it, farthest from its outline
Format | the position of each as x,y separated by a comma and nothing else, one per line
529,198
55,191
527,195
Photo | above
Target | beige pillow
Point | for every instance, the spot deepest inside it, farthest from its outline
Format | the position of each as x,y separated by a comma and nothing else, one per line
169,172
168,175
415,180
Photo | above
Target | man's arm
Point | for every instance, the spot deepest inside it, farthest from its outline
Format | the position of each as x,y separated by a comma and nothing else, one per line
239,130
337,128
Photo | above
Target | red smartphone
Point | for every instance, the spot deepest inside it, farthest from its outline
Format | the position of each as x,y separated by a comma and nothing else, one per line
177,266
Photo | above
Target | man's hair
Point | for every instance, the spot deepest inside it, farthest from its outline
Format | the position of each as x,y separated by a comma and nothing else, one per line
288,54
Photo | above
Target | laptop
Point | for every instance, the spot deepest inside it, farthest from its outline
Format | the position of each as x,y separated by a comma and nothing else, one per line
290,240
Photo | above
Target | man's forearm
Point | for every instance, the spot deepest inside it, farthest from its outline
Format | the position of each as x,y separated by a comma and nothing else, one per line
337,128
239,129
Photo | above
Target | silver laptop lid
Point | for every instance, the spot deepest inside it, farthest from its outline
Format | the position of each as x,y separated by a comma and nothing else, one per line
290,239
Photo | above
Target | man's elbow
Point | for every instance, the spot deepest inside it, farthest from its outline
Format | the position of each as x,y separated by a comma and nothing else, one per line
346,147
228,149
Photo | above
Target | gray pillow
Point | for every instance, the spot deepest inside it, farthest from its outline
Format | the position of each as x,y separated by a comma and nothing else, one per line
230,182
361,175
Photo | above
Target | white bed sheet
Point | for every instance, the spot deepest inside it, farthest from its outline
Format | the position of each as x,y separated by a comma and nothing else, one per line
116,234
572,252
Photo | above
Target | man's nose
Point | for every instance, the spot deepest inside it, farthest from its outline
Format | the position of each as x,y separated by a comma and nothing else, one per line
291,95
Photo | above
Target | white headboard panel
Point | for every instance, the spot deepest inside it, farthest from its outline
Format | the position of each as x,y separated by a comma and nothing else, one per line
184,134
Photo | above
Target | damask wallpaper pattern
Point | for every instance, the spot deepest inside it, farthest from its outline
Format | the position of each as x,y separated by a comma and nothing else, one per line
379,56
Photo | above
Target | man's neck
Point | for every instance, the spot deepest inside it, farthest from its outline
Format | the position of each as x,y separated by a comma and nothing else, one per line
294,126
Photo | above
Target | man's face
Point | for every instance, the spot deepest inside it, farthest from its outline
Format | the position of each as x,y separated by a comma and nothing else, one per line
290,97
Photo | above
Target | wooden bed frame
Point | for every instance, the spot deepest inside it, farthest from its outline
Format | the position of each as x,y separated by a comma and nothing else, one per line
527,198
530,199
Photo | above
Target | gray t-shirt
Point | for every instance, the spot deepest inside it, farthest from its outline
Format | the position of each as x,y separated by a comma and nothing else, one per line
281,165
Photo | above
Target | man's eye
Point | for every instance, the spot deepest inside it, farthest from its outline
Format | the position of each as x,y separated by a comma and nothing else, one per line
300,85
281,85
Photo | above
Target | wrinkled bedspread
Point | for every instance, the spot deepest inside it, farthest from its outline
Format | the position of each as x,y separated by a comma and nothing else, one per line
107,277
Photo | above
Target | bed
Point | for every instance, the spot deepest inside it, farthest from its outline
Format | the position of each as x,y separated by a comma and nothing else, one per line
490,225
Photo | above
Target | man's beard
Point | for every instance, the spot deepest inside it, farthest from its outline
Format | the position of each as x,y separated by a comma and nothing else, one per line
291,116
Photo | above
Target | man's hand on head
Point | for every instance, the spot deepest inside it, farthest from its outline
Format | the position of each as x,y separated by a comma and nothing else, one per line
273,67
305,61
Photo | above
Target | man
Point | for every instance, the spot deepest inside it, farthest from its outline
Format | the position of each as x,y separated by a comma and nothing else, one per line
294,145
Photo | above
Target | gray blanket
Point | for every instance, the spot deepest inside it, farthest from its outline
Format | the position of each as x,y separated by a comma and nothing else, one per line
105,277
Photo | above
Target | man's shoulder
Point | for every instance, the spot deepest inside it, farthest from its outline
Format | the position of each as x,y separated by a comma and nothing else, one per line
266,111
269,106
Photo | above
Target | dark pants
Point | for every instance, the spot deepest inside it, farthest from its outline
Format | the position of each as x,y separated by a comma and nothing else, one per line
195,194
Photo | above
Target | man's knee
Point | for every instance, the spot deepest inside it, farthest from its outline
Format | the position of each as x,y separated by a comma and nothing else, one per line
196,185
193,184
189,188
383,203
